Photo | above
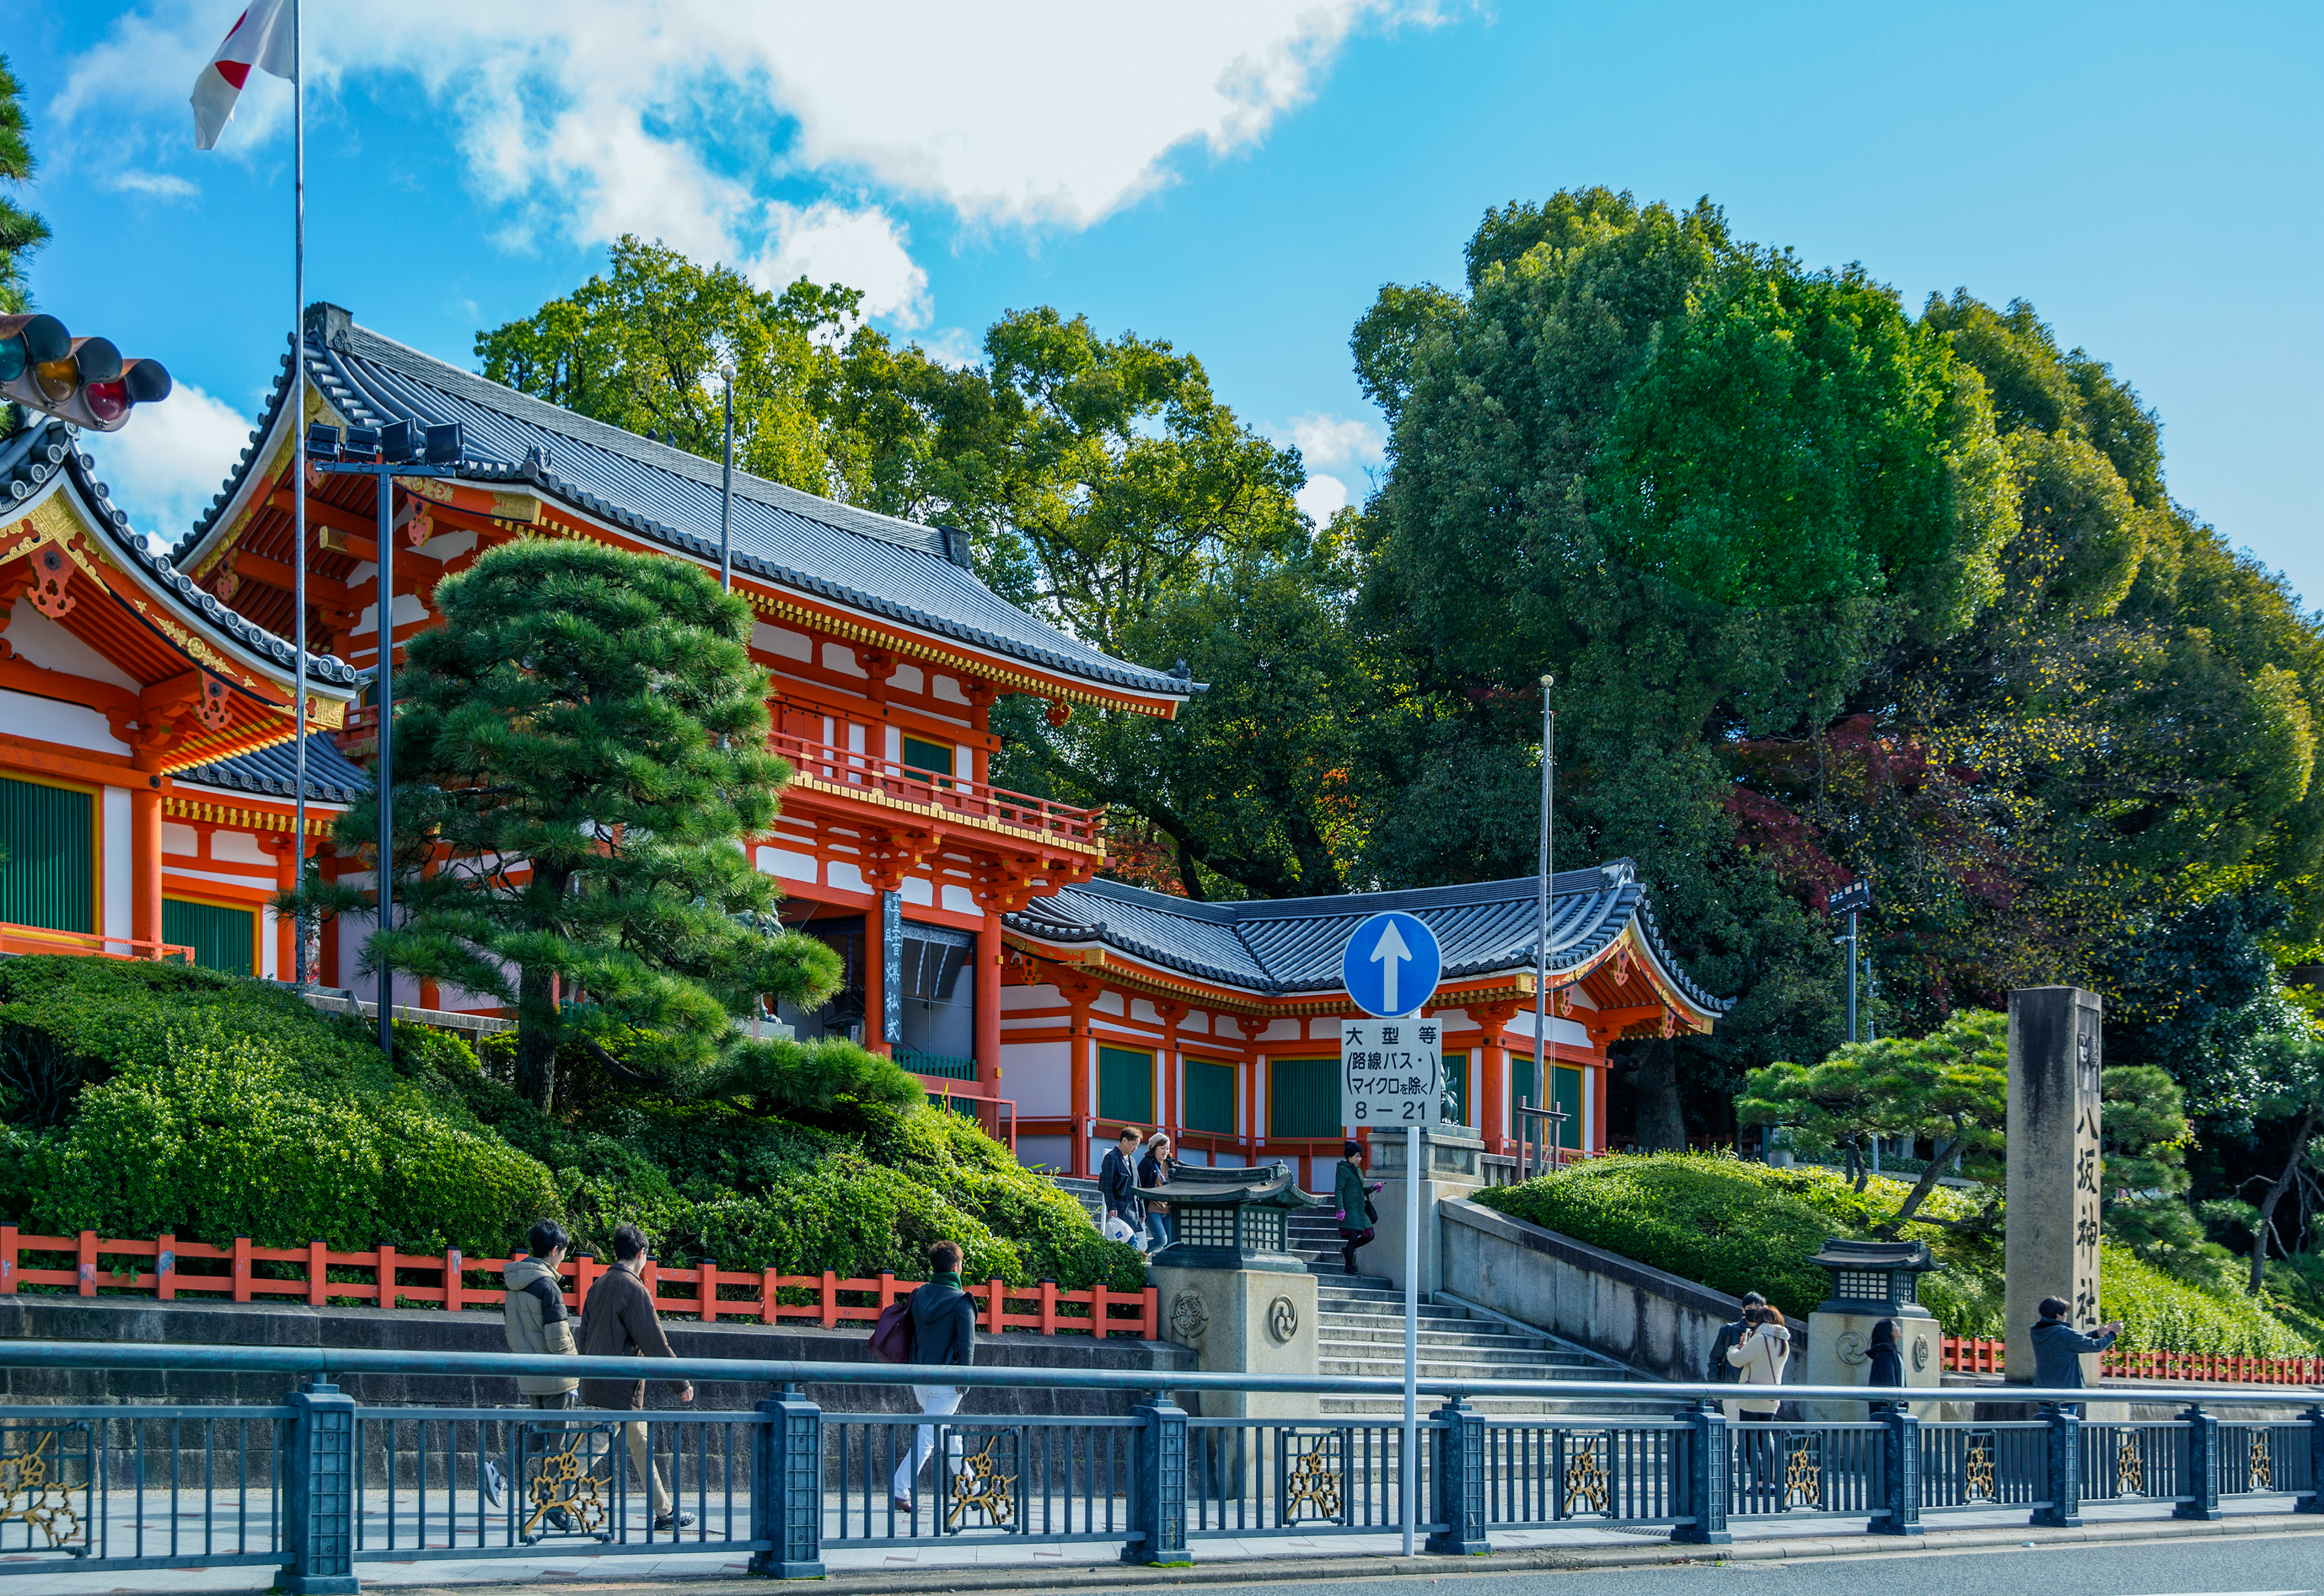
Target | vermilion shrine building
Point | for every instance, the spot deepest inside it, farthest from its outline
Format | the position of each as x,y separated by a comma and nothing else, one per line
146,780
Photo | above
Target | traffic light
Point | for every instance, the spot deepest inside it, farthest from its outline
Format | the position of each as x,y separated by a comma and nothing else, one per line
84,381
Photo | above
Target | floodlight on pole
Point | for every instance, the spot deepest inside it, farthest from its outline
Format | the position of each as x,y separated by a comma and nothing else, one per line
384,454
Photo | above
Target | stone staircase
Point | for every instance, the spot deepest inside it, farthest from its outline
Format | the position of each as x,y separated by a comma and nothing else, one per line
1361,1332
1084,1191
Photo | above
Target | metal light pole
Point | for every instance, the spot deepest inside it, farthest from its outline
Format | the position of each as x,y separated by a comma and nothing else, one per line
1851,901
1545,1053
726,492
1410,1473
298,404
384,455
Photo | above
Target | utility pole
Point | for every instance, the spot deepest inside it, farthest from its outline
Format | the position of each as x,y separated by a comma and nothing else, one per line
726,492
1545,1053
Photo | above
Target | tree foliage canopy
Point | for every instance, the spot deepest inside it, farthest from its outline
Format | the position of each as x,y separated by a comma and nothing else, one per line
580,752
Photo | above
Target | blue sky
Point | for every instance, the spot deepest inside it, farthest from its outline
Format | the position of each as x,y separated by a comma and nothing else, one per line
1237,177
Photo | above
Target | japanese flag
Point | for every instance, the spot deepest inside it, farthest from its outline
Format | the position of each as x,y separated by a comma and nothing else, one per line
265,36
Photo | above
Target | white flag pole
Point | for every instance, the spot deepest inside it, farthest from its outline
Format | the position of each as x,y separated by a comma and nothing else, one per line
297,404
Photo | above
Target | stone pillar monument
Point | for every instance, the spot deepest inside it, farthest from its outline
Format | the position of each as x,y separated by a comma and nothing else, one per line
1450,1168
2053,1248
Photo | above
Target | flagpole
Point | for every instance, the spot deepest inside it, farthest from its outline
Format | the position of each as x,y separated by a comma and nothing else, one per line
296,404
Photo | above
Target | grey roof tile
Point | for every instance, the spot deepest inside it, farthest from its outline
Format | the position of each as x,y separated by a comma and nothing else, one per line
876,564
274,772
29,458
1285,946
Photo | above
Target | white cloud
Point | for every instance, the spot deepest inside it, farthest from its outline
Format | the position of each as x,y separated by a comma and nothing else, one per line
1323,498
1324,440
171,456
158,185
589,118
828,243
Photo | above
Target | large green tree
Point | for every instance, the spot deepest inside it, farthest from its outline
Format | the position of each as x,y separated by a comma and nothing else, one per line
641,347
580,754
21,231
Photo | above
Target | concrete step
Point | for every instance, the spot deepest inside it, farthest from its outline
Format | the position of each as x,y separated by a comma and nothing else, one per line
1443,1346
1386,1367
1367,1330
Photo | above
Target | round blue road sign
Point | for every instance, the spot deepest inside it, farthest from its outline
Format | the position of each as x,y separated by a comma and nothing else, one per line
1391,965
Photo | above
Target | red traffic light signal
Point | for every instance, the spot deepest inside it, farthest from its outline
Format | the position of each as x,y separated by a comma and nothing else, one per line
84,381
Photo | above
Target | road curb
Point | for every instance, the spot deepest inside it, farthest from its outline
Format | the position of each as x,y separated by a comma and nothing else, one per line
1250,1571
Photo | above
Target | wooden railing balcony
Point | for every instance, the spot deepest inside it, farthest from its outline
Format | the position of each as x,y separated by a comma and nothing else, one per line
889,781
32,939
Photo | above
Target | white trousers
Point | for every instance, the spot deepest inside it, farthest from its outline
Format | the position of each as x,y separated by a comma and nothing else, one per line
937,1401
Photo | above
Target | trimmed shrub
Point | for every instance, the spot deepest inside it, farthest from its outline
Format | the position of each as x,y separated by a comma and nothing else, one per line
1738,1227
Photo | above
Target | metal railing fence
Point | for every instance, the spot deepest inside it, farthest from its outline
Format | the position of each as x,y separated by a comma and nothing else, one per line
321,1482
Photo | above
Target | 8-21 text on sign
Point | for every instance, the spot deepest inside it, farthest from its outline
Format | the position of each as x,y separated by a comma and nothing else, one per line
1392,1072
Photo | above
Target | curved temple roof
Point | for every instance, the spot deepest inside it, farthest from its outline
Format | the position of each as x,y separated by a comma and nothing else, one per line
1291,946
30,462
898,571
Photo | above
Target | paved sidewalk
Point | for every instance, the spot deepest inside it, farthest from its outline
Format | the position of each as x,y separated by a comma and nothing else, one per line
972,1566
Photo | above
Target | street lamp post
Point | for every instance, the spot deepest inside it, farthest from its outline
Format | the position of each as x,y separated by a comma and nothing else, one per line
726,492
1544,1052
384,454
1851,901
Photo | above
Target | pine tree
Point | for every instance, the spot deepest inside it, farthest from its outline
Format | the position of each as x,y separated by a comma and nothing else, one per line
21,231
580,760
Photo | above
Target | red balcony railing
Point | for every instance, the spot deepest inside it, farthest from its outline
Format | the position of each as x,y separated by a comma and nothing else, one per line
885,778
27,940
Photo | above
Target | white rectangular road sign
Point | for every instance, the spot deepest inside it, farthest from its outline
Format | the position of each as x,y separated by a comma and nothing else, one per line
1391,1073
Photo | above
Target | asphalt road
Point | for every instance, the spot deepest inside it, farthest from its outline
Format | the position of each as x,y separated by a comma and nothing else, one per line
2243,1565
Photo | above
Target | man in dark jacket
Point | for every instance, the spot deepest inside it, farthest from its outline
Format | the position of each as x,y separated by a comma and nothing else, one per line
2059,1347
1117,1184
618,1320
1731,1335
944,1335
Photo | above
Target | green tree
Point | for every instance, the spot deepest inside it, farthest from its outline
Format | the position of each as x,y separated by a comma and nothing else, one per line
580,755
1950,1088
2292,1066
1101,473
641,347
21,231
2145,1135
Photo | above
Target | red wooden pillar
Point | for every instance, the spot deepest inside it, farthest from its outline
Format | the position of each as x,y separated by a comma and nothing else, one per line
146,863
988,1011
1080,993
1252,1026
1170,1112
1494,1122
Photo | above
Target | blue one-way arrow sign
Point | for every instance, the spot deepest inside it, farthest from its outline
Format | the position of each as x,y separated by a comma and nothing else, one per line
1391,965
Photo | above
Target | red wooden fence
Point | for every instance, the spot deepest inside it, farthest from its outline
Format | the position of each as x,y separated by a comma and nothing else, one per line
709,1293
1981,1355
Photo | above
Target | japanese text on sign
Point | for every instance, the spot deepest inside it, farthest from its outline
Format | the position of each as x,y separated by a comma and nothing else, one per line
1391,1073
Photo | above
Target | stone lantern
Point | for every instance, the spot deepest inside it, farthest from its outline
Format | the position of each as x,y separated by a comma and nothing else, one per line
1229,1285
1870,1281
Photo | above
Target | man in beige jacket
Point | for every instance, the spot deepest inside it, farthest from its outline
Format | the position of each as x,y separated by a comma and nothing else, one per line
533,1313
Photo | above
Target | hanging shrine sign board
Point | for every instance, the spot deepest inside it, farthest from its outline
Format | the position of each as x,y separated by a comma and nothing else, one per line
1392,1063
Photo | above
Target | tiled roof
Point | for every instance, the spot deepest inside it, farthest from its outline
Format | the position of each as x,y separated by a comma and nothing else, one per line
30,459
1285,946
878,565
274,772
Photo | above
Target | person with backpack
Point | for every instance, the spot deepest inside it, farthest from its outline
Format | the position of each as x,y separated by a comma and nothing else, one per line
1357,1216
942,1316
1117,1184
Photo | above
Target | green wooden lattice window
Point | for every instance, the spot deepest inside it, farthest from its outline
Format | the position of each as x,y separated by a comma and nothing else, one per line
935,758
1210,1096
48,875
1303,1098
1456,1079
220,937
1125,1085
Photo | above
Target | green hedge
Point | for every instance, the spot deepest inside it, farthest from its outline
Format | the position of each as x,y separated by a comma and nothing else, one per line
1739,1226
211,1106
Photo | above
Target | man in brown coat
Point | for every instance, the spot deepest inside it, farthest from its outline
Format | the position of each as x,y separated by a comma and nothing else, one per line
618,1320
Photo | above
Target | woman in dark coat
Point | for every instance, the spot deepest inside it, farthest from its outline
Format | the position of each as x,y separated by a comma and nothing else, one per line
1350,1191
1887,1361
